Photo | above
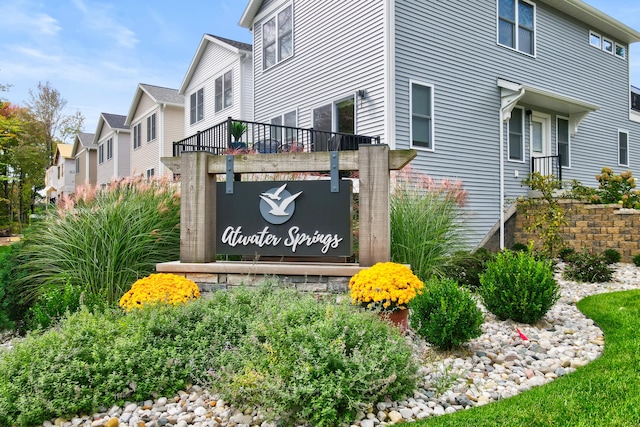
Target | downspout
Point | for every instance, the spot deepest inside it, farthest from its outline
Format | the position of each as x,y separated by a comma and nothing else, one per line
161,139
508,103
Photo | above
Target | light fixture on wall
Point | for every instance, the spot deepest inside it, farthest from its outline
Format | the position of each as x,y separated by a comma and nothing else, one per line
362,94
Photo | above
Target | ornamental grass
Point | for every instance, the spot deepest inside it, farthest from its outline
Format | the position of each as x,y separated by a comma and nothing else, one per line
386,285
160,288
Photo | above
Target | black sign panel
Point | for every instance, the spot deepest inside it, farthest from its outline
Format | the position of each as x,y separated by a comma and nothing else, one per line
284,218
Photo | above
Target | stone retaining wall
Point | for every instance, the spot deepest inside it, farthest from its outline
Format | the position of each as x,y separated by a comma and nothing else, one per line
595,227
208,282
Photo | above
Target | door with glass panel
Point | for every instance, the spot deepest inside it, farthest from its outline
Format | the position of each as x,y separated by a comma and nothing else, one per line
540,143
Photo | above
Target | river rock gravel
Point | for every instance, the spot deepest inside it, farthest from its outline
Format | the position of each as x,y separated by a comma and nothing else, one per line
497,365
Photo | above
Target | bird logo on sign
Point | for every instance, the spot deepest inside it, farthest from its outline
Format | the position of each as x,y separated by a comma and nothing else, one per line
277,204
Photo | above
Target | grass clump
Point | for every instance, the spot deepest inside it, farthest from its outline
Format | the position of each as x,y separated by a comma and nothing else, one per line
103,241
518,286
446,315
295,357
426,222
606,392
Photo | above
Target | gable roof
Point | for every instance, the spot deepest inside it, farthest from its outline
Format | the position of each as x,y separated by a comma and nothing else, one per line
239,48
114,121
82,140
576,8
159,95
64,150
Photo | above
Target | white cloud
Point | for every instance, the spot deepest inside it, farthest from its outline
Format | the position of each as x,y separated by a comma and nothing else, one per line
19,18
100,18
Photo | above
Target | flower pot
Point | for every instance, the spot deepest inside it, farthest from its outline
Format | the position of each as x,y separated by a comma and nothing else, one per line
398,318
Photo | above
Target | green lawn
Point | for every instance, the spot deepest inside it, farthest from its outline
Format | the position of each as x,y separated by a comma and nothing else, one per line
604,393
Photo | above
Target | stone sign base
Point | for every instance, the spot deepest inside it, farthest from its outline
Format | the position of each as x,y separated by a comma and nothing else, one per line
321,278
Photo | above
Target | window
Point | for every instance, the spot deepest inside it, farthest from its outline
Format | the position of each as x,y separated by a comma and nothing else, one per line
197,106
289,120
277,38
516,136
150,173
77,165
607,45
621,51
101,153
595,40
224,91
137,139
635,101
623,148
422,116
151,127
109,148
516,25
563,137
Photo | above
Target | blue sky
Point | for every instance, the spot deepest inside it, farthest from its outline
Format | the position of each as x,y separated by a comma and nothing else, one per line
95,52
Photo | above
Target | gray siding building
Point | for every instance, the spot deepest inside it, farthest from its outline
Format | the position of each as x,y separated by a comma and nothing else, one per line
480,89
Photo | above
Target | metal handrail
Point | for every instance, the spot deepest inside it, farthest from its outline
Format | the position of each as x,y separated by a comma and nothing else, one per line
267,138
547,165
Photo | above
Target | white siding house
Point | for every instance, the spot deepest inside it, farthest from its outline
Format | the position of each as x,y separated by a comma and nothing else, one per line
60,177
85,154
156,119
483,91
218,84
112,138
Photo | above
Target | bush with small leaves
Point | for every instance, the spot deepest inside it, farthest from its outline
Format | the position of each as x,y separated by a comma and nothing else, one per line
566,254
465,267
518,286
446,315
587,267
611,256
519,247
636,260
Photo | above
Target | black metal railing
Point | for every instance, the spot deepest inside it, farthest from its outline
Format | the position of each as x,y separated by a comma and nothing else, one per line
547,165
238,136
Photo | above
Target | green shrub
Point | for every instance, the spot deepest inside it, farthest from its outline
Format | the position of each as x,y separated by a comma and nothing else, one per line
519,247
103,241
566,254
425,222
288,353
636,260
518,286
465,267
614,188
12,304
446,315
587,267
611,256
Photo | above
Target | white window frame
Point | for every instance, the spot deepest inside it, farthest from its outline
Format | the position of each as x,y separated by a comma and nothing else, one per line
137,136
193,113
624,50
151,173
151,127
223,93
594,34
522,137
626,132
77,165
516,26
109,148
558,118
101,153
274,16
606,40
432,89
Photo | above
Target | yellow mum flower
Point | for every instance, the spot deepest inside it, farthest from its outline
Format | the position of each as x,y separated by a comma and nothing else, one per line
388,285
160,288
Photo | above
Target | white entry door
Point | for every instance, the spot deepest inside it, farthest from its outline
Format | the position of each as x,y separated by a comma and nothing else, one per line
540,142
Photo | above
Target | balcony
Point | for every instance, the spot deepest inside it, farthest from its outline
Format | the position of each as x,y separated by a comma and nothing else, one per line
241,136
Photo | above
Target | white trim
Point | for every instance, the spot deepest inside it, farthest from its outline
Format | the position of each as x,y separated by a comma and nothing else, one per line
390,75
594,34
626,132
634,116
352,95
233,94
516,26
558,117
269,10
624,55
433,109
611,43
195,92
522,144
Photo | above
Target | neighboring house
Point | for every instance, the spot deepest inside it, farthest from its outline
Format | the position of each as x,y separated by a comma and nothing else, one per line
218,84
112,138
479,90
85,153
60,177
156,120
